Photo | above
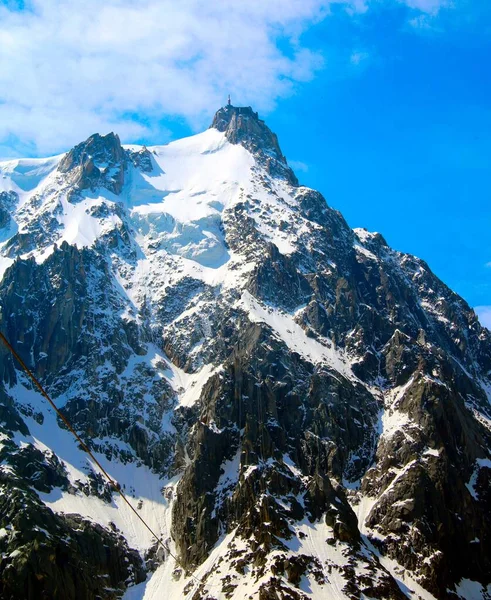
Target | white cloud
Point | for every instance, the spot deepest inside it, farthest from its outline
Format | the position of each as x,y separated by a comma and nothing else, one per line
488,264
298,166
70,68
422,22
426,13
358,56
430,7
484,314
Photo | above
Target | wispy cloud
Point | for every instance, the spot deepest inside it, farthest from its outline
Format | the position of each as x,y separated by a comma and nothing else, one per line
298,166
422,22
424,17
358,57
484,314
430,7
70,68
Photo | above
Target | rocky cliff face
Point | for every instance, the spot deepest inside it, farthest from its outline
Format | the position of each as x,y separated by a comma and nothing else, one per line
98,162
297,409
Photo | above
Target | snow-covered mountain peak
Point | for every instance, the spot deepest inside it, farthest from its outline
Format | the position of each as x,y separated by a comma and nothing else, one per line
242,125
173,199
22,175
302,409
99,161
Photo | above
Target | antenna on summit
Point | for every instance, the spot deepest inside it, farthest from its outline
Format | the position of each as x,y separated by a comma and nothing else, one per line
229,103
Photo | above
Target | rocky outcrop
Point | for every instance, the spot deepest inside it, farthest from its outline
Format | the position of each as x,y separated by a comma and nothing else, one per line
99,161
378,304
421,477
242,125
142,159
264,414
47,556
62,335
7,203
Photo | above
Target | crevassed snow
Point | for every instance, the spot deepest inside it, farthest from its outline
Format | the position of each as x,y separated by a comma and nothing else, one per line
177,207
179,204
25,174
174,211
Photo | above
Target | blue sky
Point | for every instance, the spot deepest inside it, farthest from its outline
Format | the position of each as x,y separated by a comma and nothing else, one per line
404,146
382,105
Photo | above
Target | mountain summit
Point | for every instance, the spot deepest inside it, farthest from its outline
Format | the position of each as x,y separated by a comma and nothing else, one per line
242,125
298,410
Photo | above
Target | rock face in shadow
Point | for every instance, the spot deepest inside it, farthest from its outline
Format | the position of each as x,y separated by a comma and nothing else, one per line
7,202
53,557
418,346
142,159
61,336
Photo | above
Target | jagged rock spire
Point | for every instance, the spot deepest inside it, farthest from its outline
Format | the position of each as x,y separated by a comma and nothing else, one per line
100,160
242,125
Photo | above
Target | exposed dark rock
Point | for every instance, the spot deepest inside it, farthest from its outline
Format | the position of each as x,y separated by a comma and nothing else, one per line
99,161
4,217
242,125
142,159
47,556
